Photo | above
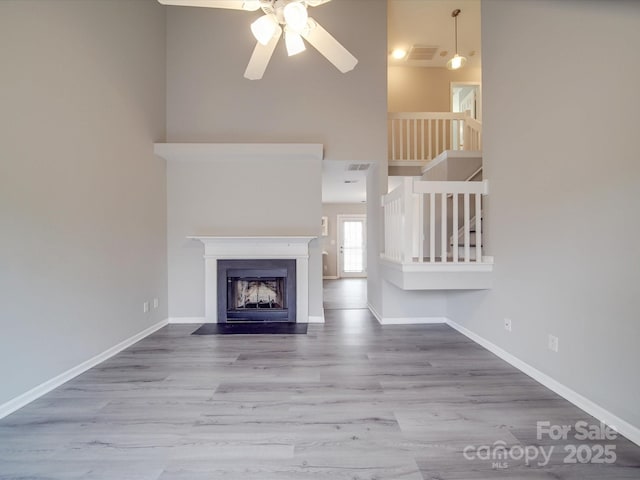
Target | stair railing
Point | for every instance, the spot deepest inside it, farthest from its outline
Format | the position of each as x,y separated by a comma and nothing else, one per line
421,136
418,222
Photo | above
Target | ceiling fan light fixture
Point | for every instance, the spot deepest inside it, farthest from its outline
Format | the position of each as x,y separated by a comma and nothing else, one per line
264,28
294,42
295,16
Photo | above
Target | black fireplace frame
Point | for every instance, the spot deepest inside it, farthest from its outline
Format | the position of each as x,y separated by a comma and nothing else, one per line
256,268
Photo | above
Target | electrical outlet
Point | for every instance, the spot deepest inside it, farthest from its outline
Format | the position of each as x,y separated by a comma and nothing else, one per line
155,303
507,324
145,307
553,343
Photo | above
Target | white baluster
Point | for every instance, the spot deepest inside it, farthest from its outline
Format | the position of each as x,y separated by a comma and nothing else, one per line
467,230
407,200
478,227
430,146
422,152
393,139
432,227
407,140
401,138
443,227
454,230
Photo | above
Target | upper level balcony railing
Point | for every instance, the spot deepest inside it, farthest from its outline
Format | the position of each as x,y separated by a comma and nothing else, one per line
418,137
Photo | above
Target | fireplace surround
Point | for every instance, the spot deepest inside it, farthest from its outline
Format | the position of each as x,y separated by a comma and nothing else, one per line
256,290
219,249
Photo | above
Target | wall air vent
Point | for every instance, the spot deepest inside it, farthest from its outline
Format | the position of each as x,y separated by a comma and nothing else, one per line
421,53
357,167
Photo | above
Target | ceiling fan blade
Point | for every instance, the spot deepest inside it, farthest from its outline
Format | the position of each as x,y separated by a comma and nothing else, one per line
261,56
329,46
250,5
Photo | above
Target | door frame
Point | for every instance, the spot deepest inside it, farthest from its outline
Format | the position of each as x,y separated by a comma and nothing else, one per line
478,84
339,219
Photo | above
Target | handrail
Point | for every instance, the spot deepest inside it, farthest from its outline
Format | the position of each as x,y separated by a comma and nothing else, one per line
421,136
412,236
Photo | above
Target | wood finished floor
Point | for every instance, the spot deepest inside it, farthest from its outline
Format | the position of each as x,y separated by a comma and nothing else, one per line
351,400
344,293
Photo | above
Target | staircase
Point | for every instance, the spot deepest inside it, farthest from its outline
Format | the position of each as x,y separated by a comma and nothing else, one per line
433,223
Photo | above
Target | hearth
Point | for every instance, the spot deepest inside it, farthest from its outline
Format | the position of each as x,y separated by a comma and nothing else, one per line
255,290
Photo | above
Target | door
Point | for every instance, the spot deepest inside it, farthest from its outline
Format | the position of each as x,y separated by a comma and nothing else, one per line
352,241
465,96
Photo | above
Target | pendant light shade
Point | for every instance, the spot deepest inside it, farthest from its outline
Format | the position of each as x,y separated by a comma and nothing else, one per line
457,61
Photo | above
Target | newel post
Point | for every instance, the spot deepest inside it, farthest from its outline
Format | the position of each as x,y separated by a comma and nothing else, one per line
407,220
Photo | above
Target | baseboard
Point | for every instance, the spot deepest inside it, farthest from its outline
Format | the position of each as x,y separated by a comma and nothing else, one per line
181,320
411,320
374,312
623,427
405,320
36,392
316,318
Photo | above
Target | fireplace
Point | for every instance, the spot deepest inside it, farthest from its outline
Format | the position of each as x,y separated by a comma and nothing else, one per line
255,290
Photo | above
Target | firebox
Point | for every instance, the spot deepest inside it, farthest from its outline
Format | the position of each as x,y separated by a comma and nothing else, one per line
256,290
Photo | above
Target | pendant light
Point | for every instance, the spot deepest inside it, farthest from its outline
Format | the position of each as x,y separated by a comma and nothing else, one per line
457,61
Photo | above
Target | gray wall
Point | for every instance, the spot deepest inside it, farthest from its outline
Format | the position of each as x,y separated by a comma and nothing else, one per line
300,99
82,197
561,156
329,243
238,197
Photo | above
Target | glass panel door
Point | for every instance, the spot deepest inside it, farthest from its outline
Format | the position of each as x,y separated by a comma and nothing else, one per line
352,245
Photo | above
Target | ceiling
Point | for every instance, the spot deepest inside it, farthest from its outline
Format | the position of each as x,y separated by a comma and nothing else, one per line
411,22
429,23
344,182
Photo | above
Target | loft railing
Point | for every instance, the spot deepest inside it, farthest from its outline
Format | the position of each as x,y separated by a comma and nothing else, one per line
434,222
421,136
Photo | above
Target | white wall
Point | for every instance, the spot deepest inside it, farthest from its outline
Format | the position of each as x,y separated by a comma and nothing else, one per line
302,99
561,156
82,197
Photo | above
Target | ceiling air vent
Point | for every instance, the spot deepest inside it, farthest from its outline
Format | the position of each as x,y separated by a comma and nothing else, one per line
421,52
357,167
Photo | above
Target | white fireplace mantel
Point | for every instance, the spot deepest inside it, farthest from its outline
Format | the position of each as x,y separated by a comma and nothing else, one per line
256,247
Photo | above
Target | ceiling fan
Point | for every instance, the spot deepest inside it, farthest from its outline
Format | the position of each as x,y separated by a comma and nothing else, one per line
289,16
